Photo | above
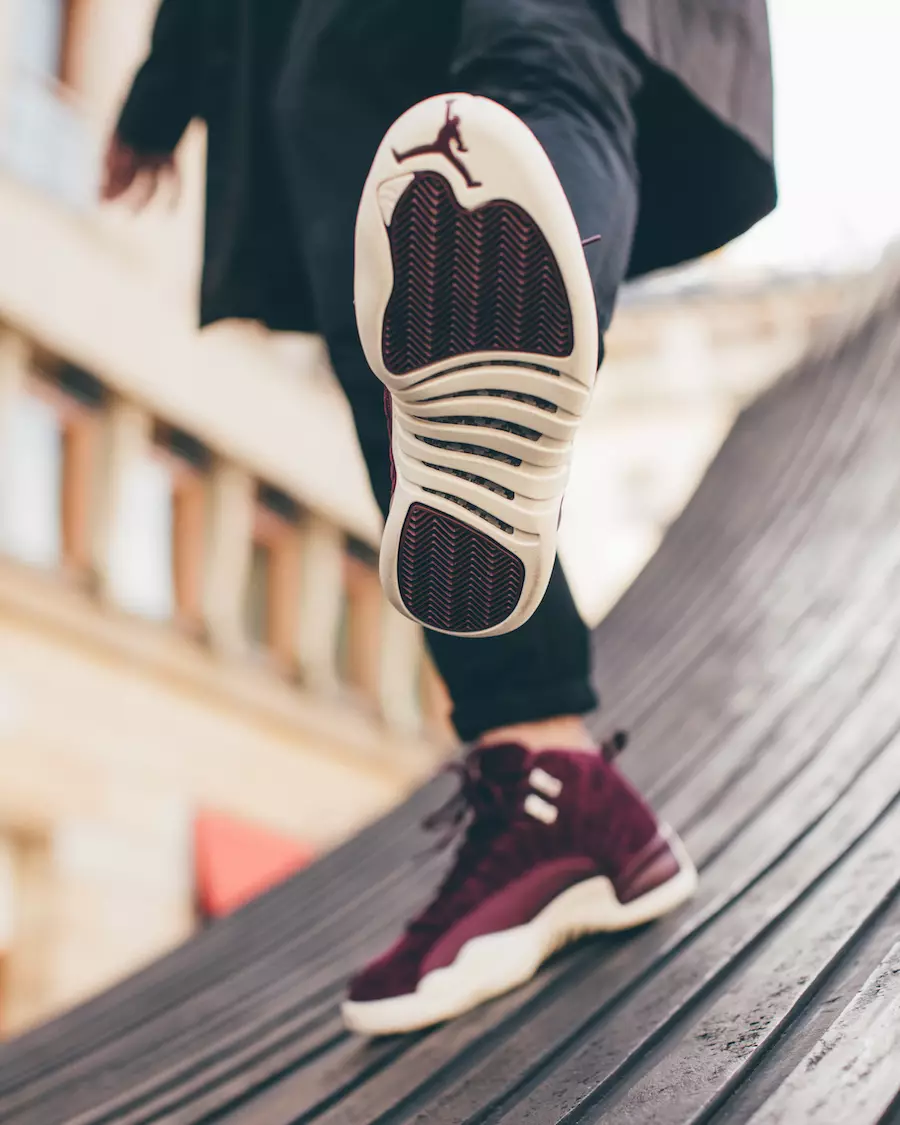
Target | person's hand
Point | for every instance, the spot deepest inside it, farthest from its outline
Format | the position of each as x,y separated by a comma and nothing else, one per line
136,176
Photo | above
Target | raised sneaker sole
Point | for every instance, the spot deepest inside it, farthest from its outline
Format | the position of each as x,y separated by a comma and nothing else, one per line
496,963
475,309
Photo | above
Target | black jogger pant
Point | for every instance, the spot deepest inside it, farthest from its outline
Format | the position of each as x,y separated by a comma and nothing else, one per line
561,65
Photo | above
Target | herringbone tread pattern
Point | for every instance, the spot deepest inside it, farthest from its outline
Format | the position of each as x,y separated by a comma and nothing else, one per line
453,577
465,281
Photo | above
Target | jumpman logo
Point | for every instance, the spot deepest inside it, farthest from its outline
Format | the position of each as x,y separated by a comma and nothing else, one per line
443,145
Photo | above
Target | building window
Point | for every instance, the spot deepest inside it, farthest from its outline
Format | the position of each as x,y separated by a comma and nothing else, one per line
32,493
45,139
141,554
48,471
159,541
359,649
272,592
41,32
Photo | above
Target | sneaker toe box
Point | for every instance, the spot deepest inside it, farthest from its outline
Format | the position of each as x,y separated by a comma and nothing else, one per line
395,973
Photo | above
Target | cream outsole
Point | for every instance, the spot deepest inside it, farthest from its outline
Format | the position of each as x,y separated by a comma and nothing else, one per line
493,964
521,515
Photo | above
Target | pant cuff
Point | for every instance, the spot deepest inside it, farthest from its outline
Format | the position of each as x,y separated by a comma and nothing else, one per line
474,718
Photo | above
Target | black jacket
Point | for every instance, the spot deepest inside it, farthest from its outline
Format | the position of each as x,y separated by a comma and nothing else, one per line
704,114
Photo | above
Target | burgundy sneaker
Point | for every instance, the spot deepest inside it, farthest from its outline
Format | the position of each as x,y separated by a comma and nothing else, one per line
475,309
558,845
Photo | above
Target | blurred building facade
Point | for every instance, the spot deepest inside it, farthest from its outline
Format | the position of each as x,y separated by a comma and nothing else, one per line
191,625
190,617
687,350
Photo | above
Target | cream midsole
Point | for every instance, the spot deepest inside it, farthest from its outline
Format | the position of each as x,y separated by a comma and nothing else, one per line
492,964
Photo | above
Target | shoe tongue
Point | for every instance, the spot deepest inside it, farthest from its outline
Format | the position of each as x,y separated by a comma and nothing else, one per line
503,763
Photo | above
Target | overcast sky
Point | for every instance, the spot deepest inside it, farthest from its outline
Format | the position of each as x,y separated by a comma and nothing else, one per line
837,97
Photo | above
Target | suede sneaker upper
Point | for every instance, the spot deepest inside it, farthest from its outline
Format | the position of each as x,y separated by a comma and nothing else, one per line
538,823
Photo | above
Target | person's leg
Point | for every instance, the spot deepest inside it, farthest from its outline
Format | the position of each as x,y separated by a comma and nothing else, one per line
558,843
540,672
562,69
